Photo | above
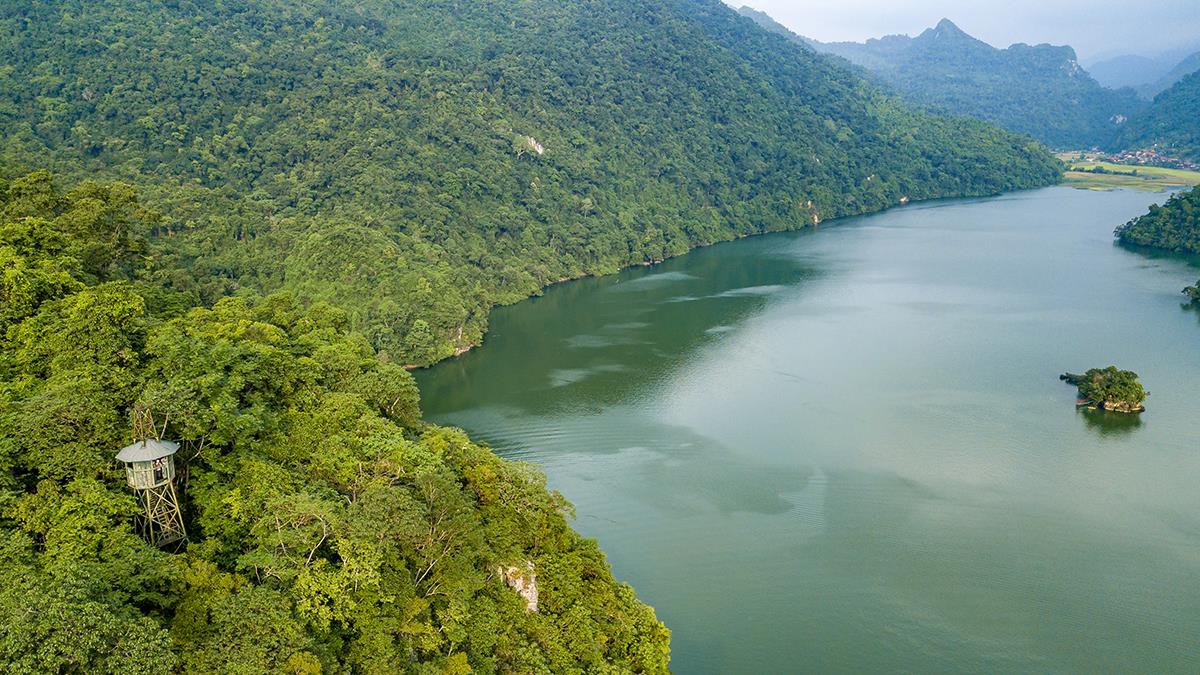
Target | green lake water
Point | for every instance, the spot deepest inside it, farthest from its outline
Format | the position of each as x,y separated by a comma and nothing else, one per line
848,449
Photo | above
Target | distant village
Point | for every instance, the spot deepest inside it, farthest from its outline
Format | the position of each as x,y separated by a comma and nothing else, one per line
1148,157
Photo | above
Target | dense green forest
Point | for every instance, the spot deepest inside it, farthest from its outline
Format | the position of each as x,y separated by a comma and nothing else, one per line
331,529
1174,226
1038,90
1171,123
417,163
329,192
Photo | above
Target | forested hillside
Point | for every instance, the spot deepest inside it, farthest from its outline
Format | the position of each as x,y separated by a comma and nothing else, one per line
1174,226
1171,123
1038,90
331,529
417,163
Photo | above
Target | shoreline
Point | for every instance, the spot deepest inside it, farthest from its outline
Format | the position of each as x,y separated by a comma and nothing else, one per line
905,202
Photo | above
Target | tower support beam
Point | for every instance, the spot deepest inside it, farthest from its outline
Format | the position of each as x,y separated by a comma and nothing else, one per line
162,522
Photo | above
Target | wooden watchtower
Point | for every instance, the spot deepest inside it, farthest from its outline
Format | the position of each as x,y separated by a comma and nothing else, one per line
150,470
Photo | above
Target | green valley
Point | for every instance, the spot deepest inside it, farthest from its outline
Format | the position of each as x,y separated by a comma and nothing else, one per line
1094,174
244,229
325,195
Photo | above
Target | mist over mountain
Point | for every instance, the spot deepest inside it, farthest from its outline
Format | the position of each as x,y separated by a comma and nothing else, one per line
1130,70
1040,90
1180,70
1148,76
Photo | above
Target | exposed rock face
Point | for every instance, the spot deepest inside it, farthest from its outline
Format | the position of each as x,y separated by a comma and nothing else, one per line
524,582
1122,406
527,145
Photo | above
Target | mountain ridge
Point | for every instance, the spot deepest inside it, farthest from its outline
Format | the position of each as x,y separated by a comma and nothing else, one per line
1170,124
411,132
1180,70
1040,90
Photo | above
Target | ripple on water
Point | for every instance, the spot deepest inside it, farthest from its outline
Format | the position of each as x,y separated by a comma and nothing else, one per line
650,280
878,470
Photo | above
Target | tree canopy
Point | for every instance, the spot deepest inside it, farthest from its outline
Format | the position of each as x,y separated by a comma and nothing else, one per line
331,528
417,163
328,193
1174,226
1110,388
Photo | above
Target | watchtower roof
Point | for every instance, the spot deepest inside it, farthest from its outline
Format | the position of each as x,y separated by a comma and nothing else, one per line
147,450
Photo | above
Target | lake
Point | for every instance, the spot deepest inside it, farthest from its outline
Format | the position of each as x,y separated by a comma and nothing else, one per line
847,449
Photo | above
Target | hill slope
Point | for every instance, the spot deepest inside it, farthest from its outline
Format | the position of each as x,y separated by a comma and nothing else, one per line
331,530
1171,123
1038,90
1173,226
419,162
1181,70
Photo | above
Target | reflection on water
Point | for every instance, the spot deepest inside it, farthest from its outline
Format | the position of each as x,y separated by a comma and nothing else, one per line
1108,423
849,451
1191,308
600,341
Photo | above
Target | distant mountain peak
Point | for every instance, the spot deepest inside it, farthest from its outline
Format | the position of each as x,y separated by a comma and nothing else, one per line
947,29
1036,89
947,26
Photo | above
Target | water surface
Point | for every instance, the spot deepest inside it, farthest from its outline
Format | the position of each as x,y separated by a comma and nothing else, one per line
848,450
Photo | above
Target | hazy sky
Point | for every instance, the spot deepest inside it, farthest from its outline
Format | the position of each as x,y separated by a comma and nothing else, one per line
1095,28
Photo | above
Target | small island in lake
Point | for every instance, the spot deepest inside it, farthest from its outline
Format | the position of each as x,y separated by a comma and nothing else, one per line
1109,389
1193,293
